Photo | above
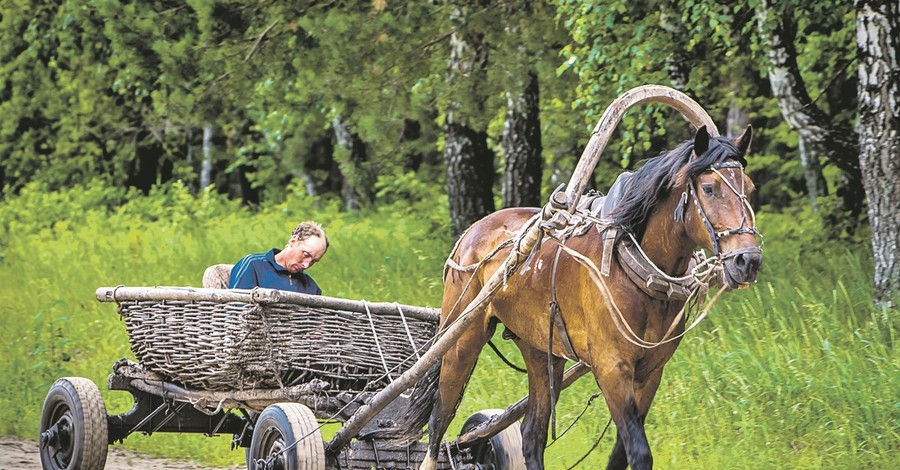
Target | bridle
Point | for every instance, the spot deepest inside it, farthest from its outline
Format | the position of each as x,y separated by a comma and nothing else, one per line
714,235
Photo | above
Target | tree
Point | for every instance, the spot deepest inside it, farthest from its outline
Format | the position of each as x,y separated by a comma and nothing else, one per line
820,134
878,41
521,138
522,145
469,160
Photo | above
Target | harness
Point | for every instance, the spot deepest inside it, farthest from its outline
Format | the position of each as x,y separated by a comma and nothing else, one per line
592,213
715,236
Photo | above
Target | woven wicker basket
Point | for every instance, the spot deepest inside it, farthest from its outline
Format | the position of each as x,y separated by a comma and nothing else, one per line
235,340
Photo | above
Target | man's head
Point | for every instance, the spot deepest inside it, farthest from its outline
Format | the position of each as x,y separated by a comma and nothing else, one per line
305,248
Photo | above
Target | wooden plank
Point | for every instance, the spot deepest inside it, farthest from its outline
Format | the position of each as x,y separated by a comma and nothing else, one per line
263,297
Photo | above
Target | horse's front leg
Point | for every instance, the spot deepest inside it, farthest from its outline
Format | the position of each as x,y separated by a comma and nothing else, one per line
537,415
628,403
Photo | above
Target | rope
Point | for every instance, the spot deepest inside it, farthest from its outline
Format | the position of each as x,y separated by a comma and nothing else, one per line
378,343
477,265
593,448
406,327
504,359
577,418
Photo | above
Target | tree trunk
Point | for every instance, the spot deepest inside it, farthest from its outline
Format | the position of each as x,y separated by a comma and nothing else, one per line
878,42
678,64
812,175
822,136
321,173
522,145
470,162
359,180
206,165
144,170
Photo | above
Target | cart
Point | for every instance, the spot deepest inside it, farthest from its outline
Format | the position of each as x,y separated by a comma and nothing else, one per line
267,367
228,361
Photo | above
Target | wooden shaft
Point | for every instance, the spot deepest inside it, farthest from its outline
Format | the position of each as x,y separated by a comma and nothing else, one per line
448,339
515,412
611,117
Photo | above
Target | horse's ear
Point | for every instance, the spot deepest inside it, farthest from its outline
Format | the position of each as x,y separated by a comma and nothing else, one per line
701,141
742,143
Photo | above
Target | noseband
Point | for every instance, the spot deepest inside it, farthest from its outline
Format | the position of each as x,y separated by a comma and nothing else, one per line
715,236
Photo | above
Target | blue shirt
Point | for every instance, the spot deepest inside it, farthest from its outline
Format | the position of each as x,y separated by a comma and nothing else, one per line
261,270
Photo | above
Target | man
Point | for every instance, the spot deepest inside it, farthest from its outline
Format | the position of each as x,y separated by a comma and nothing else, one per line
284,269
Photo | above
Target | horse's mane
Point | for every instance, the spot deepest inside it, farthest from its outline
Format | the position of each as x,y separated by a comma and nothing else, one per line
653,181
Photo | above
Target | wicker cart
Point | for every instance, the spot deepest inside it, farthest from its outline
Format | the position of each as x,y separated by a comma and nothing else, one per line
267,367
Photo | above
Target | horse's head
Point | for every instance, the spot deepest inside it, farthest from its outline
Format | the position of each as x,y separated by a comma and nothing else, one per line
715,208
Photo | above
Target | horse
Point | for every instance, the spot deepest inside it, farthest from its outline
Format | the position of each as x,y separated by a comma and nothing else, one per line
693,196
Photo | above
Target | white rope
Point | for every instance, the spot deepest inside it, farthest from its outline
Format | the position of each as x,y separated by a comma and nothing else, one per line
387,369
408,333
694,275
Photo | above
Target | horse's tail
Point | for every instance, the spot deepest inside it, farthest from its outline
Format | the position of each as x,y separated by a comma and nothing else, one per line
409,425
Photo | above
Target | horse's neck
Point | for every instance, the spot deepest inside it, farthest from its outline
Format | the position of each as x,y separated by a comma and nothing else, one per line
665,240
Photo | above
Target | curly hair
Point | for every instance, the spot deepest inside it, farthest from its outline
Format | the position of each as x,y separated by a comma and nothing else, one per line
307,229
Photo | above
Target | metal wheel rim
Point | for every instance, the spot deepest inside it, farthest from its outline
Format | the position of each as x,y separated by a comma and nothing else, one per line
61,453
273,443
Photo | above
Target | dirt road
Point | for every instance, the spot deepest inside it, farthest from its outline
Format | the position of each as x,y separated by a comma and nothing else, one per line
18,454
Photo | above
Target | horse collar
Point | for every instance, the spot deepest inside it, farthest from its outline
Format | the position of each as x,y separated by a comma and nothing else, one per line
648,277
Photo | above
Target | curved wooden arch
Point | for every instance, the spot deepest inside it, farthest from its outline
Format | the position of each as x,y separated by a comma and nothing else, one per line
689,108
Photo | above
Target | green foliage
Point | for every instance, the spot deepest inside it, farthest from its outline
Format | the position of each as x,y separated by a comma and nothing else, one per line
796,371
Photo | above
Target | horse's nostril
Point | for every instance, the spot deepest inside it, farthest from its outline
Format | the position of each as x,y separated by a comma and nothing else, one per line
748,262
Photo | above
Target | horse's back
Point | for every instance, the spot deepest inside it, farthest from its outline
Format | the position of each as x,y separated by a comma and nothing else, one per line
480,251
487,234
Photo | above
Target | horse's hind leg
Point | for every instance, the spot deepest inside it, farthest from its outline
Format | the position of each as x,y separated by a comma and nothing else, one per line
456,368
537,416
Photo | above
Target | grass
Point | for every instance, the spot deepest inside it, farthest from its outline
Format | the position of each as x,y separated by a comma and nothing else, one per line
799,371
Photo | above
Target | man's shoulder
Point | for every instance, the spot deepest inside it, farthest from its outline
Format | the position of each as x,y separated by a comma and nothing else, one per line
252,258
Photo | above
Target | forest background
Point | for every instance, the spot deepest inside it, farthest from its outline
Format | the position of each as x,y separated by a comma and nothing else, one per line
144,141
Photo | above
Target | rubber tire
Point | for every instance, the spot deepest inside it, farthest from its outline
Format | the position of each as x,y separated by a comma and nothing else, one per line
281,424
77,401
503,451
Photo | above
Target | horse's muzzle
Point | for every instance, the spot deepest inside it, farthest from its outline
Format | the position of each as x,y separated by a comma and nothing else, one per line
742,266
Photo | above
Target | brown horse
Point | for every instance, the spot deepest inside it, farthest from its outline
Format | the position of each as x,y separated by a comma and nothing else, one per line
695,195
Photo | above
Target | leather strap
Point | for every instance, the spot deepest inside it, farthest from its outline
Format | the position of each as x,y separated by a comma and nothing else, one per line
645,275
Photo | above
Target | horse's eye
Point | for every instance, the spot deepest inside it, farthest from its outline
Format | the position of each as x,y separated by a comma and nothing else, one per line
707,189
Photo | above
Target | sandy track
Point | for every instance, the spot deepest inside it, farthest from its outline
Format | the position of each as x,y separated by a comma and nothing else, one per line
20,454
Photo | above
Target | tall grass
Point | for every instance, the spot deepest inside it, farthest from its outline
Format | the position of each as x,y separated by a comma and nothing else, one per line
800,371
50,268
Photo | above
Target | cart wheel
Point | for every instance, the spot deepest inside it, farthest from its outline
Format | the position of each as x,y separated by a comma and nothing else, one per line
503,451
73,426
287,436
